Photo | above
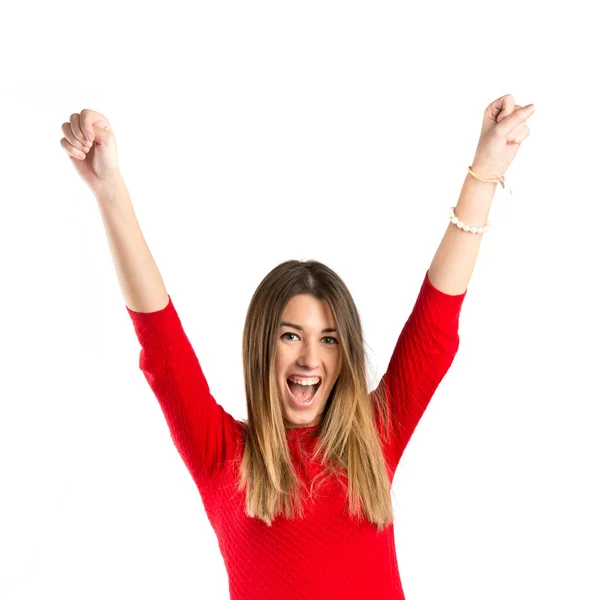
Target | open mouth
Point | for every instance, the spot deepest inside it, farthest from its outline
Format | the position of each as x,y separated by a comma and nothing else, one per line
303,394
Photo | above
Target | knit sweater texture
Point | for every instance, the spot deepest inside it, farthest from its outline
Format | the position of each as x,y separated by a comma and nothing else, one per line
327,554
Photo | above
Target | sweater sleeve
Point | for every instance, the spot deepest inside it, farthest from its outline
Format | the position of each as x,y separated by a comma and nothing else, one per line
422,356
202,431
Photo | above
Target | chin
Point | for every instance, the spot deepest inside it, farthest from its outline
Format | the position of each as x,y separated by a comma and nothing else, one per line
301,421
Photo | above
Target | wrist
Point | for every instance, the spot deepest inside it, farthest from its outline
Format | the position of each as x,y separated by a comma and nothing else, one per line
110,189
485,171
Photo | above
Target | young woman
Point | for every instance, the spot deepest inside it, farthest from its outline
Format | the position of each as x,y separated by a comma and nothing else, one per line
299,493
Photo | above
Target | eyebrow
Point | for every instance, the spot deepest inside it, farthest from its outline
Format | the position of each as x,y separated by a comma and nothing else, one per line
286,324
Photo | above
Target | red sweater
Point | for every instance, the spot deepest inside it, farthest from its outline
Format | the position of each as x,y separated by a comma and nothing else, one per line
326,555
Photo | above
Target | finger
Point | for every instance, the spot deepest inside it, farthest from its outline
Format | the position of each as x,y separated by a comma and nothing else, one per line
72,151
91,119
508,125
503,107
504,114
67,130
522,135
516,133
75,118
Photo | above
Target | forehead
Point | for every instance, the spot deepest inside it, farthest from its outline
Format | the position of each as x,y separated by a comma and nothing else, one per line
304,308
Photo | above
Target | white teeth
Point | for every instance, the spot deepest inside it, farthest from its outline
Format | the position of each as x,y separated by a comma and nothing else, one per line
311,381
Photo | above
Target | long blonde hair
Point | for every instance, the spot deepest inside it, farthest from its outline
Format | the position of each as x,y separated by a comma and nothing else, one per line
348,435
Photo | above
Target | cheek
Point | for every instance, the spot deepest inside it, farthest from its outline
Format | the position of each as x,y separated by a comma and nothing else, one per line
283,358
336,363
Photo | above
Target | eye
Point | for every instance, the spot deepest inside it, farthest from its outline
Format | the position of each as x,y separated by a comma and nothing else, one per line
330,343
288,333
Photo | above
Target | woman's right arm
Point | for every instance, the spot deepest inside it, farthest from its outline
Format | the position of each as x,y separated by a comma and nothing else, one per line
204,434
139,278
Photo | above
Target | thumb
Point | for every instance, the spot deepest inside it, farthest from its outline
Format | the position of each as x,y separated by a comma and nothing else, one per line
511,122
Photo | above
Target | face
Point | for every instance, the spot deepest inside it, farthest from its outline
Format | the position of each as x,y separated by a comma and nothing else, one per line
307,347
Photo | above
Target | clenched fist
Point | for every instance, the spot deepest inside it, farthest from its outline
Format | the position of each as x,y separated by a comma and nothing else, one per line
91,146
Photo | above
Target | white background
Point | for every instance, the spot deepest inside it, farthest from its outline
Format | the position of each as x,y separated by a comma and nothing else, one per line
254,132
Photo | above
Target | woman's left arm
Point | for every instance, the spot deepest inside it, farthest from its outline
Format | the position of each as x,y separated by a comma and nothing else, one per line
504,128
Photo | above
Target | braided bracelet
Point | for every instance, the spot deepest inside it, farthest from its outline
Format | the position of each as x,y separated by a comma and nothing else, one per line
501,180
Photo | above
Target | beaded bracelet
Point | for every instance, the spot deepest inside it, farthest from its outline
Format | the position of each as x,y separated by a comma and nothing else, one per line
470,228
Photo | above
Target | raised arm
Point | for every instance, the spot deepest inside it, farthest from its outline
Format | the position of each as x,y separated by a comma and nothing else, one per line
504,128
202,431
204,434
139,278
429,340
424,351
92,148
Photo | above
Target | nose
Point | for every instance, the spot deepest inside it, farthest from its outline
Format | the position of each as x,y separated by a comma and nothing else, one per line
309,354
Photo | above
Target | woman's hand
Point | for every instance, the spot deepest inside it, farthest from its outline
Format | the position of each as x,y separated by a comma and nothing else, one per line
92,149
504,128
